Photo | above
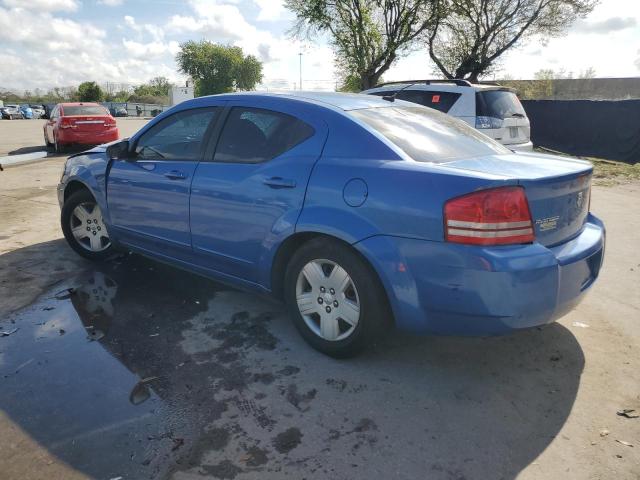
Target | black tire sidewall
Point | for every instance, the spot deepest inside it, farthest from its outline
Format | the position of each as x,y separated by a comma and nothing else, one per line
82,196
373,302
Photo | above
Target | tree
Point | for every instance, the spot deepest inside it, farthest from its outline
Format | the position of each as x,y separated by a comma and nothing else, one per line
217,68
470,35
157,87
120,96
90,92
367,36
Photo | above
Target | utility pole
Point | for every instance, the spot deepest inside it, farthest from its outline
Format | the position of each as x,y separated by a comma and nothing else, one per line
300,55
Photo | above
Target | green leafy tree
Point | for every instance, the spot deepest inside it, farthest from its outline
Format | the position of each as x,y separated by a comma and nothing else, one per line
470,35
217,68
120,96
367,36
156,87
90,92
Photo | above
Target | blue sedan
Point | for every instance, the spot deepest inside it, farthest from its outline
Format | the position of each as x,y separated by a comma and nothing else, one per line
358,211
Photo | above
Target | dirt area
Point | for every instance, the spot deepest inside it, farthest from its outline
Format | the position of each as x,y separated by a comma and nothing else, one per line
145,371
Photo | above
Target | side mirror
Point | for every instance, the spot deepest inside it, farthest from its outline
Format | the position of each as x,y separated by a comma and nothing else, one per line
119,151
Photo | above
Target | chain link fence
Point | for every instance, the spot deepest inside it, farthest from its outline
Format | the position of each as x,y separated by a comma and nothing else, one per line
135,109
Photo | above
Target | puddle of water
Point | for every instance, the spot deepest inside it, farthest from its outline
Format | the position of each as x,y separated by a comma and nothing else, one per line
94,363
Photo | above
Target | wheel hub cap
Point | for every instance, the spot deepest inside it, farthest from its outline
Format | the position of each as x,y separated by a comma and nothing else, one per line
88,228
328,300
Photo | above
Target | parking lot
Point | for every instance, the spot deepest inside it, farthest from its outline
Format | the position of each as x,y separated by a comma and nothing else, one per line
134,369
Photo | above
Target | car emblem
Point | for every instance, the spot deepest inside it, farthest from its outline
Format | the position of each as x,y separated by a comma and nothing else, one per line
549,223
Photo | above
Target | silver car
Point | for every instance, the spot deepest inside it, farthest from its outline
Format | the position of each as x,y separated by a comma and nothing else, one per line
494,110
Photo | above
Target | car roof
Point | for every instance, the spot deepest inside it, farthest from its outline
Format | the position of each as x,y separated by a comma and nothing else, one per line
339,100
441,86
77,104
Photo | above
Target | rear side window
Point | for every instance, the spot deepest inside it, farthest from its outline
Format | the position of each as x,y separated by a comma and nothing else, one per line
70,111
441,101
428,136
254,135
178,137
498,104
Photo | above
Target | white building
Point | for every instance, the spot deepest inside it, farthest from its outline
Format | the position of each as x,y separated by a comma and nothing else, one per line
180,94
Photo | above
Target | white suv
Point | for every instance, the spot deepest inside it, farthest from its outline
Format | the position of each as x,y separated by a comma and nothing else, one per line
492,109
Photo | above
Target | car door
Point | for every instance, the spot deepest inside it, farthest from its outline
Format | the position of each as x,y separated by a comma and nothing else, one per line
251,193
148,194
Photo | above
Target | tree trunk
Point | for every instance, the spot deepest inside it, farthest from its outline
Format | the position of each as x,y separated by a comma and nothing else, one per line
369,80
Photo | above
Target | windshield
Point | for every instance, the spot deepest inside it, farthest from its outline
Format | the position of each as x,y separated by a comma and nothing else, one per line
498,104
427,135
84,110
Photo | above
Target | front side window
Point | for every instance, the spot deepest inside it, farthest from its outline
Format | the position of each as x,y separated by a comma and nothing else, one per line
254,135
178,137
428,136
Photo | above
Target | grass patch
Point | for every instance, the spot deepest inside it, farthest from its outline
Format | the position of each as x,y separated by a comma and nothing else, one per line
606,172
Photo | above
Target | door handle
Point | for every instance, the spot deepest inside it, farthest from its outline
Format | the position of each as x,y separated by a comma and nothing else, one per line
279,182
175,175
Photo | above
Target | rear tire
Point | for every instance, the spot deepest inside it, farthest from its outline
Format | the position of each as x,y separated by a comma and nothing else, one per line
57,147
335,298
47,144
84,228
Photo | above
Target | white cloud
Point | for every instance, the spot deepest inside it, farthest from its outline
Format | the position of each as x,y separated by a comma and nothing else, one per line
68,52
111,3
270,10
61,33
609,25
43,5
150,49
156,32
225,23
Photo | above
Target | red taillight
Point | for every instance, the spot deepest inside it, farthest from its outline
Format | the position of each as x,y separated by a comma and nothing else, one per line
66,122
498,216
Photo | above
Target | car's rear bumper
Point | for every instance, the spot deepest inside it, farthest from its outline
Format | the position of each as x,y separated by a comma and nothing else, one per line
69,136
445,288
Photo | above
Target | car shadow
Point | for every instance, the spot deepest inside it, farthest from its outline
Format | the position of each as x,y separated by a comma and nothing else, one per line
133,368
24,150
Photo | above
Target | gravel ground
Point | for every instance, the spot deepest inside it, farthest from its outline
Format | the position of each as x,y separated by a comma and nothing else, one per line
145,371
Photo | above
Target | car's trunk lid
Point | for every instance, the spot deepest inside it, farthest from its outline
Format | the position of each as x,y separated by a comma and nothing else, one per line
91,123
557,189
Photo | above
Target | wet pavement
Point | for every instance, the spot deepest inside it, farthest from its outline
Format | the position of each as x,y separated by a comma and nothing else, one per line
134,369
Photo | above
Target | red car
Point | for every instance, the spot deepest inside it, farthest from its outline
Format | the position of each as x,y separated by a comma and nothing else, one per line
80,124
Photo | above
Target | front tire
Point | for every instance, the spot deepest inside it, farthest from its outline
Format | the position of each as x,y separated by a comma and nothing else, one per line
84,228
334,298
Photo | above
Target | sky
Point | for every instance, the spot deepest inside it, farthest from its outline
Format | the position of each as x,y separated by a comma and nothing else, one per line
49,43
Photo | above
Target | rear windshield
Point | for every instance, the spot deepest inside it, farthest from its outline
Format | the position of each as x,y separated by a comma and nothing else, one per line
498,103
441,101
84,110
427,135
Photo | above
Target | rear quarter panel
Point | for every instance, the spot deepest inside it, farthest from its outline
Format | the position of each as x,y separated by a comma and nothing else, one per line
403,198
